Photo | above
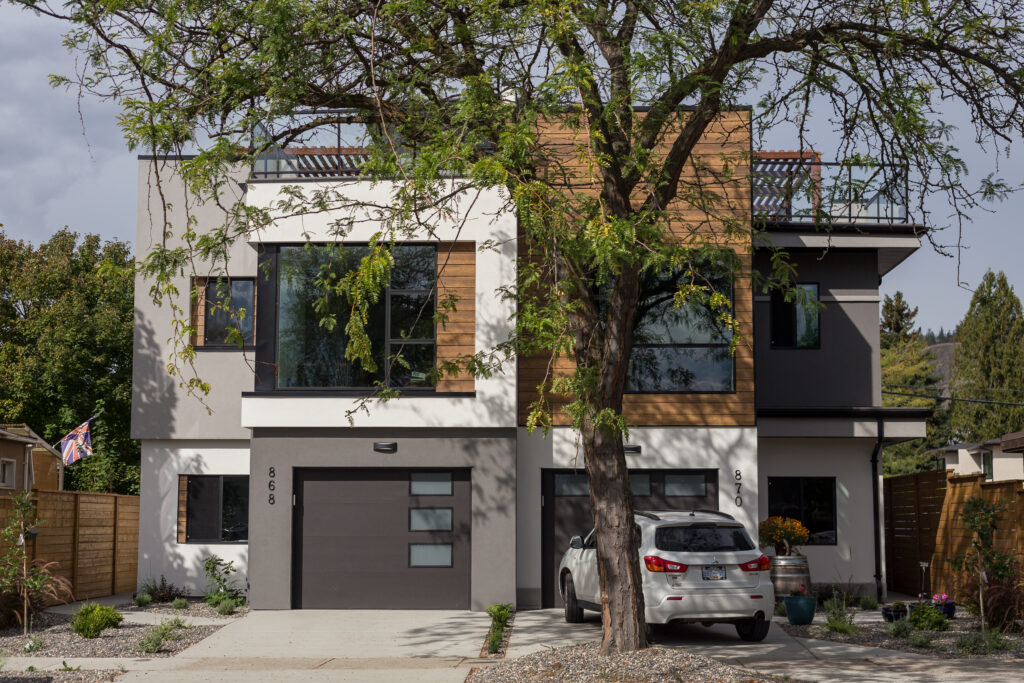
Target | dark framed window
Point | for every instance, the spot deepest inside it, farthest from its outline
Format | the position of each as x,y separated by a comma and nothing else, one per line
794,318
987,465
311,320
682,348
812,500
229,312
217,509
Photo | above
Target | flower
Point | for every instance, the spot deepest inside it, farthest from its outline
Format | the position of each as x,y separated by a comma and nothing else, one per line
782,531
942,599
801,592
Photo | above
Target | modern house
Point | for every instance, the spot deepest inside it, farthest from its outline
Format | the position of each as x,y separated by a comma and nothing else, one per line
998,459
442,498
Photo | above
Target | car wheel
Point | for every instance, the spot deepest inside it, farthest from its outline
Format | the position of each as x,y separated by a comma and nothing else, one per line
573,611
753,630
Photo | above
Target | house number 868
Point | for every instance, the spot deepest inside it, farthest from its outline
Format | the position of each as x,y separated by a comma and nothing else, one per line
272,473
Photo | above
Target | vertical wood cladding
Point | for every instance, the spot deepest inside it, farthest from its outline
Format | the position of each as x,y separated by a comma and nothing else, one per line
456,276
198,310
712,203
182,506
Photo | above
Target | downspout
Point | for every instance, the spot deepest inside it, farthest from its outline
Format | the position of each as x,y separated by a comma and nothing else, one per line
875,499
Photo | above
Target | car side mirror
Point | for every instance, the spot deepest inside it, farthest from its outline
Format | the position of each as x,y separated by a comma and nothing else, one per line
576,543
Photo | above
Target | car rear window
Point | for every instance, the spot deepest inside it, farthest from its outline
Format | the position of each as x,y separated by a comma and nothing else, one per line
702,538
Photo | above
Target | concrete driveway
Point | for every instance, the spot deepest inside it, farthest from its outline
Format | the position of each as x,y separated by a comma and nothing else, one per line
779,654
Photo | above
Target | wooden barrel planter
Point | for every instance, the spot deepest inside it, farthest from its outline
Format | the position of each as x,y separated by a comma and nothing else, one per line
789,573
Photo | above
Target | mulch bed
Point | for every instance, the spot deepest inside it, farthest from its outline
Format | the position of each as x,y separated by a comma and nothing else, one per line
583,663
60,641
197,607
505,637
943,643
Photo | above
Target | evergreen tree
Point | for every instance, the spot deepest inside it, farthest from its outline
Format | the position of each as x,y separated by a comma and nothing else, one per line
989,363
66,316
897,320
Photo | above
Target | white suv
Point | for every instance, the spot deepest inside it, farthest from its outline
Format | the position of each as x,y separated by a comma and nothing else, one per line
698,566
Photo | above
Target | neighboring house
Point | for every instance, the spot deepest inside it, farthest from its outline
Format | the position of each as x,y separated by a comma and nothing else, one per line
441,498
998,459
27,461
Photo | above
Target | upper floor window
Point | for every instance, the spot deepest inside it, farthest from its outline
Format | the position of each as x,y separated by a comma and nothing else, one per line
987,465
228,312
680,349
794,318
400,324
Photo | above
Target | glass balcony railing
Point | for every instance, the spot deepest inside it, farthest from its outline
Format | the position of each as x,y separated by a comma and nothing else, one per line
316,145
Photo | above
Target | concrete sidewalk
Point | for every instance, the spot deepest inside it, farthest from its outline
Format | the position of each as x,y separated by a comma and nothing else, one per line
779,654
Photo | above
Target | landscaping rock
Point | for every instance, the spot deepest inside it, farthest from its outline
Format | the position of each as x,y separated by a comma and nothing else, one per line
197,607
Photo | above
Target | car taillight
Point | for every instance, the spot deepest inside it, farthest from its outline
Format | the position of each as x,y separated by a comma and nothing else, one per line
761,564
657,564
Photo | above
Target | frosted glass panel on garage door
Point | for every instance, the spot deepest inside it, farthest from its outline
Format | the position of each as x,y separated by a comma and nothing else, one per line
430,555
430,484
685,485
430,519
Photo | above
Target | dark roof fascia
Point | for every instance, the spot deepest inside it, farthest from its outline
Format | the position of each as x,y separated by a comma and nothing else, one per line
901,229
849,412
1012,443
166,157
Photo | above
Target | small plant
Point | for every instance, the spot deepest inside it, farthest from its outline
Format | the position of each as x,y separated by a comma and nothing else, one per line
784,533
151,642
942,600
30,669
91,619
214,599
500,614
65,668
226,607
982,643
898,606
900,628
869,603
800,592
143,599
34,644
180,603
919,640
161,591
219,580
837,618
927,618
168,629
780,609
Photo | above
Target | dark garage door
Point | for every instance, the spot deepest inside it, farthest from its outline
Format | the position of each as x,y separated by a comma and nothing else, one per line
381,539
566,510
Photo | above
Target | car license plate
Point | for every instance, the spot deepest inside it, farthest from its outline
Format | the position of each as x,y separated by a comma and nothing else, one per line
713,573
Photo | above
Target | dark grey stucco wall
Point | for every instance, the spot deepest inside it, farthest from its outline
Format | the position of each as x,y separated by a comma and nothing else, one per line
490,453
844,371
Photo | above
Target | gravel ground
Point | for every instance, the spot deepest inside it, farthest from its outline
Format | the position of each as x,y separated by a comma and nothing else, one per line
196,608
876,634
62,676
583,663
60,641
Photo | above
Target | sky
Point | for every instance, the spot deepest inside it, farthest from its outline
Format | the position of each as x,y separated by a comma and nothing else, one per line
56,172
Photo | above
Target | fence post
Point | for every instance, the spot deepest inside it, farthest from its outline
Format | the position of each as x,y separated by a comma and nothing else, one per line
113,562
74,544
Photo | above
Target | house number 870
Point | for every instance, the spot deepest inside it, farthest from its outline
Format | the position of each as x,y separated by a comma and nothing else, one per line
271,485
739,485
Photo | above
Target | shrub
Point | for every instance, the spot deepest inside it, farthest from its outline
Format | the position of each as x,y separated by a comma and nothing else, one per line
214,599
158,635
219,580
143,599
91,619
919,640
900,628
151,642
869,603
226,607
837,619
780,609
162,591
784,533
180,603
500,614
927,618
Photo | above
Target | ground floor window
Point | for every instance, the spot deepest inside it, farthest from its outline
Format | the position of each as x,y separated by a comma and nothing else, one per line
217,509
812,500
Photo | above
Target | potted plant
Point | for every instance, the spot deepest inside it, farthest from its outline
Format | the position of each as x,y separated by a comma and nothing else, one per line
895,611
944,604
789,568
800,606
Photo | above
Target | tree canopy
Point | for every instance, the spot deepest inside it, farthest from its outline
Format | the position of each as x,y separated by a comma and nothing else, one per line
454,94
66,312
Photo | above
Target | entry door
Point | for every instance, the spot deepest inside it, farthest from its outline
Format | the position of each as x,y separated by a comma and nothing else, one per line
381,539
566,509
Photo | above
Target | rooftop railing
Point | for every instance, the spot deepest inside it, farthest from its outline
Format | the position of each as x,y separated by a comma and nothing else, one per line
798,188
318,144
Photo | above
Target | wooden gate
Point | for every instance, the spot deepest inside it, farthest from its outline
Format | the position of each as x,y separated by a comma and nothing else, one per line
913,509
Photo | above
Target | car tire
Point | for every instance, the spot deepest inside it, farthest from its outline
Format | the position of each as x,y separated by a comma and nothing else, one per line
753,630
573,611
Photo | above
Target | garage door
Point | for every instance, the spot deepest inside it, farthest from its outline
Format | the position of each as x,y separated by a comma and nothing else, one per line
381,539
566,510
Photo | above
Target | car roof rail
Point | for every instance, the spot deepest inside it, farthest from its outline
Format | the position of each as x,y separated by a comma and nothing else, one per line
648,515
708,511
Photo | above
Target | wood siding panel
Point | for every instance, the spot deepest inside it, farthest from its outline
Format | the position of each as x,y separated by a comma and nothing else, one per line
456,336
719,165
182,507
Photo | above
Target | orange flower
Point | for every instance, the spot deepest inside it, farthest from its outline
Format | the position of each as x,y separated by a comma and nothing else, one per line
778,530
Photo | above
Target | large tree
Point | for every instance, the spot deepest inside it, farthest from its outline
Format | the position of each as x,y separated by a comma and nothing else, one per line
988,364
459,89
66,310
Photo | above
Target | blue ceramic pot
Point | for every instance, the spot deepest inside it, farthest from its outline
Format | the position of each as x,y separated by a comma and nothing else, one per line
800,609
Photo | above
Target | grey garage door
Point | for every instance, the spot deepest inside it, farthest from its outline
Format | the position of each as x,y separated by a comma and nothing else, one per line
381,539
566,510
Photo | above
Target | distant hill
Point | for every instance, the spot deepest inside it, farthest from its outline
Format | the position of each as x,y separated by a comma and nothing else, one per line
943,364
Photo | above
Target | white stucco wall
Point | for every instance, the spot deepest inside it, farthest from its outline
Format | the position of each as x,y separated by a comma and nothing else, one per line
1007,465
726,448
159,550
852,559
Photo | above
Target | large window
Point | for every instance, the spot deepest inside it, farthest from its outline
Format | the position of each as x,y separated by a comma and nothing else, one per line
400,324
217,509
812,500
681,348
228,312
794,322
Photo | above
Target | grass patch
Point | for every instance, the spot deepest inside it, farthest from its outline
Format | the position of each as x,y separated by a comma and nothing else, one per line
919,640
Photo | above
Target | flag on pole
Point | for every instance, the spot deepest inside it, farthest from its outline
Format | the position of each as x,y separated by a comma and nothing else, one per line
77,444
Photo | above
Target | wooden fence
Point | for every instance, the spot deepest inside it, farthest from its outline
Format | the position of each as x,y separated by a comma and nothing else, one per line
924,523
94,537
